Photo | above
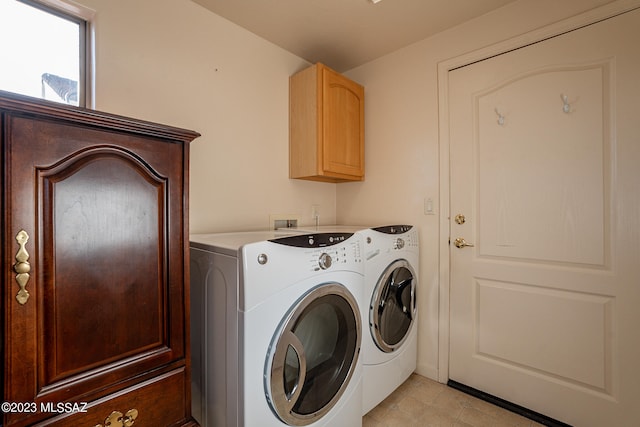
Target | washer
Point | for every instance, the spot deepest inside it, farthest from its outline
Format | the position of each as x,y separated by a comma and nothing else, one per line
390,349
276,329
389,314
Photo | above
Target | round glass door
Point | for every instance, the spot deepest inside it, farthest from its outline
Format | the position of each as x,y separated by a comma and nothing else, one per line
393,306
313,355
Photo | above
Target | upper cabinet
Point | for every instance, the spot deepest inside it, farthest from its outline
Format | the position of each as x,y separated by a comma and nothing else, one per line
326,126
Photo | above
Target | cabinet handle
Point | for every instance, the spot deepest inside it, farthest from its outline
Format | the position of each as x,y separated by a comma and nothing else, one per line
130,417
22,267
117,419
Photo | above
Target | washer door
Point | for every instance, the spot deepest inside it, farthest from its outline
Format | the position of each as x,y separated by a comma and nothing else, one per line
313,355
393,306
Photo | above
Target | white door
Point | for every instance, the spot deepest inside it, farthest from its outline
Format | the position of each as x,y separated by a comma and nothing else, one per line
545,168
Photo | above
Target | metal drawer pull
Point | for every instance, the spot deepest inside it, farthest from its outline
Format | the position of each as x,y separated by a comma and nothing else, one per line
117,419
22,267
130,417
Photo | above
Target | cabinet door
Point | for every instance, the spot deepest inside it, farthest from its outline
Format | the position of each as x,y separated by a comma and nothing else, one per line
103,211
343,125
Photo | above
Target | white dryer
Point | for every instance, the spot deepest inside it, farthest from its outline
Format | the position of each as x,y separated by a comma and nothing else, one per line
389,347
276,329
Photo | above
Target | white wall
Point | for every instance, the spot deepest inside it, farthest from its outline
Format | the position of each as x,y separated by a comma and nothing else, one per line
174,62
401,132
177,63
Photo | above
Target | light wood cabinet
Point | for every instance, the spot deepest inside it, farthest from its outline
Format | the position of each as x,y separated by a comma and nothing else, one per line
326,126
95,279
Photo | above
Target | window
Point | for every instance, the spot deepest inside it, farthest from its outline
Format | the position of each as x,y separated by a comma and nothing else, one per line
44,50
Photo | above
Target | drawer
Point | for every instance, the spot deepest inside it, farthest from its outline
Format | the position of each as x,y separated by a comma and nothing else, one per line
160,401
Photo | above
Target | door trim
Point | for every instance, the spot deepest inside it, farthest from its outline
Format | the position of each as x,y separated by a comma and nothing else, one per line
570,24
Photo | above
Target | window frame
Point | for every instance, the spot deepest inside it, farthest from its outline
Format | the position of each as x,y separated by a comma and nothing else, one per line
83,16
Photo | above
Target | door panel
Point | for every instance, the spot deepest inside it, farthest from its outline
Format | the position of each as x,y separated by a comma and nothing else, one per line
543,147
343,125
539,146
100,205
505,310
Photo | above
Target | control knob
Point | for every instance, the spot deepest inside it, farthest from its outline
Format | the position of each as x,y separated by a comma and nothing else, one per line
398,244
325,261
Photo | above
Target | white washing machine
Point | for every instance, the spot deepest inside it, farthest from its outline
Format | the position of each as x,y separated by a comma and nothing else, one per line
390,346
276,329
389,314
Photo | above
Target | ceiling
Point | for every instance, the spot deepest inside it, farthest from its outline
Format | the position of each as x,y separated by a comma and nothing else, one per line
344,34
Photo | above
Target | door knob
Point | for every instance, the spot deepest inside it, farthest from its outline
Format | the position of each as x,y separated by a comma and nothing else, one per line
461,243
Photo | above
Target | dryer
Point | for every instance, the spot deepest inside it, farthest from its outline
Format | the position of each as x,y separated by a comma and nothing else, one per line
389,347
276,329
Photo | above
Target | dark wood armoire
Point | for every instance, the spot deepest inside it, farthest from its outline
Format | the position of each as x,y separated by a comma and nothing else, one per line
95,286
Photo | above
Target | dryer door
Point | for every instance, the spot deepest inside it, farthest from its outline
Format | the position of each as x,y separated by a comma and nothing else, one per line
313,355
393,306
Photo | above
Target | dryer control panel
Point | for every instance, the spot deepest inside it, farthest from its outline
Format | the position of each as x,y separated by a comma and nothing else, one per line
393,229
390,238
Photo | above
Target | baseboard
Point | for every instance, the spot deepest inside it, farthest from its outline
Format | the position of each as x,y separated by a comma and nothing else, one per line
427,371
520,410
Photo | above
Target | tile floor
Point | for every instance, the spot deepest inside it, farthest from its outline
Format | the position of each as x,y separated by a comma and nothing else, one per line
421,402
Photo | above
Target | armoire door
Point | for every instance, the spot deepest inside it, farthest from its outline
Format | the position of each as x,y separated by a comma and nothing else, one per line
94,223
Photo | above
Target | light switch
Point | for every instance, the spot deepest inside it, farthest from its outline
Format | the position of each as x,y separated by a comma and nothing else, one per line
428,206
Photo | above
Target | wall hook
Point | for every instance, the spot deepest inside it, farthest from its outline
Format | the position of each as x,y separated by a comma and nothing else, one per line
566,107
500,120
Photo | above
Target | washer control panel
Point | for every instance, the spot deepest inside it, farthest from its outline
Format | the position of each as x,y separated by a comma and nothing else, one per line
326,250
316,240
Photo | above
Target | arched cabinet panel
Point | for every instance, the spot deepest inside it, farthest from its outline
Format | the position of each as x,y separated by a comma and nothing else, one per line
104,231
